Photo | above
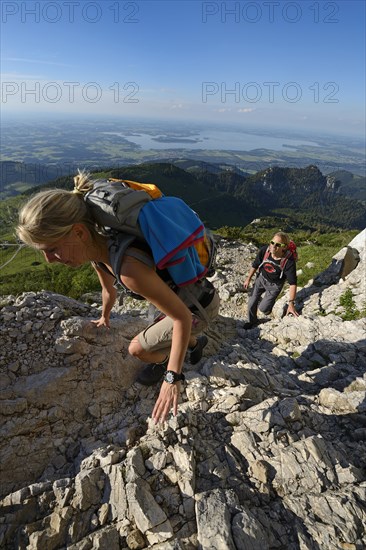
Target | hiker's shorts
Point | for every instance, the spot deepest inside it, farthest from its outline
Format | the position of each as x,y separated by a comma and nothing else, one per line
158,335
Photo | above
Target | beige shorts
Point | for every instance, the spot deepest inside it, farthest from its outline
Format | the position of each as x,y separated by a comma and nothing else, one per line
158,335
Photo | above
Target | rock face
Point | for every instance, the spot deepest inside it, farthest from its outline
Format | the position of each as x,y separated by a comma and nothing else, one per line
267,450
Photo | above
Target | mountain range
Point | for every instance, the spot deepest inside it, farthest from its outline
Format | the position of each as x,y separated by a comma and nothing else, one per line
225,196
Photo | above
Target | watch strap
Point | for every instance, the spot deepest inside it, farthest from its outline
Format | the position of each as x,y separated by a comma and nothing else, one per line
171,377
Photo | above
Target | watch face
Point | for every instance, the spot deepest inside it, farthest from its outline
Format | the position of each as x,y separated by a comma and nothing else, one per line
169,377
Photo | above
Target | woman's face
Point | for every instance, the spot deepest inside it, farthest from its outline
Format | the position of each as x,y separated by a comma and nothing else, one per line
70,250
277,247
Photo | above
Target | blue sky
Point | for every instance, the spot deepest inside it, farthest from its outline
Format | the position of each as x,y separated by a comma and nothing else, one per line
261,63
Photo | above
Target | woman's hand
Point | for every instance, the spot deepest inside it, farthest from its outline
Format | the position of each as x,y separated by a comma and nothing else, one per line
102,322
168,398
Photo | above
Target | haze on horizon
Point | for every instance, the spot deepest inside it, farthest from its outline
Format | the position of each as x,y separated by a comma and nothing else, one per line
261,64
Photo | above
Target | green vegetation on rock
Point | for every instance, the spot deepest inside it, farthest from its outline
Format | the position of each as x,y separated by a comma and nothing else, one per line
351,313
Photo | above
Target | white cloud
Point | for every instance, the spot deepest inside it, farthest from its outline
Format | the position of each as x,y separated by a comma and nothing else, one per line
39,61
167,91
19,76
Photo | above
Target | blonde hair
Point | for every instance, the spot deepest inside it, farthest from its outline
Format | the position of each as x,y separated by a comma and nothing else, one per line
283,236
50,215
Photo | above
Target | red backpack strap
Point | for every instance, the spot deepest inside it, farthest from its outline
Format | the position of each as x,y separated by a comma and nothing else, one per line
285,259
265,257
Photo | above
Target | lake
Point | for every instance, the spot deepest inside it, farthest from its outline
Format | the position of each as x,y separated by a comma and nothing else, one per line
212,140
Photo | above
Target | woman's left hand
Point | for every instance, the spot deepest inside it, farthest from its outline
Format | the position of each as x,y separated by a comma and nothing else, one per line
168,398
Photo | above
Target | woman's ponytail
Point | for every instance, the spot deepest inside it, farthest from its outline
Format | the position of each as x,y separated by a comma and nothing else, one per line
82,183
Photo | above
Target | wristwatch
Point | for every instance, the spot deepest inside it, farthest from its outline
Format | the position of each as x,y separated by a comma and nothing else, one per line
172,377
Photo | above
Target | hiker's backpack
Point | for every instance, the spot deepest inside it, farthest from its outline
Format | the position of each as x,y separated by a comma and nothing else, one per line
116,206
291,253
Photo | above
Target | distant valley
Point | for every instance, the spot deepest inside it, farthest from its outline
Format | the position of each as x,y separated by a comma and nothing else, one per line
52,148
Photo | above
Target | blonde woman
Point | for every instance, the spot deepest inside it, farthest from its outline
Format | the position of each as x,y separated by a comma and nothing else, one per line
275,266
60,225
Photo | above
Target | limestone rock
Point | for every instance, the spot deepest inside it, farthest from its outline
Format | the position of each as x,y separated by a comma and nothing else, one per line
267,449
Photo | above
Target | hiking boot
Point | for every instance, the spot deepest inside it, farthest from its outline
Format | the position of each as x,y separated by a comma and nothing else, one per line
196,353
152,373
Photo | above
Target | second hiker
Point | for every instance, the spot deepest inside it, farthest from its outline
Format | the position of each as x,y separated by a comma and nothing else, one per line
275,265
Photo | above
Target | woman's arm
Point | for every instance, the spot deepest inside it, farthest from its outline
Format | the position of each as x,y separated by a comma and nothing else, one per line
143,280
109,295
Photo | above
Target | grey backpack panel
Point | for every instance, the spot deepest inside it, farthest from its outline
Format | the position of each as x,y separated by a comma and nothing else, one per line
116,206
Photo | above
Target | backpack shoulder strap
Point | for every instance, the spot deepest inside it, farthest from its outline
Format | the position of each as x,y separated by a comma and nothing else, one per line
265,258
285,259
118,245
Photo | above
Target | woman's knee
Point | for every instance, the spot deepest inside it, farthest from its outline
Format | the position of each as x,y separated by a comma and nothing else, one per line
135,349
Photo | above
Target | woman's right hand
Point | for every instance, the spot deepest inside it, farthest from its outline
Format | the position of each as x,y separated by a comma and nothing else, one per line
102,322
